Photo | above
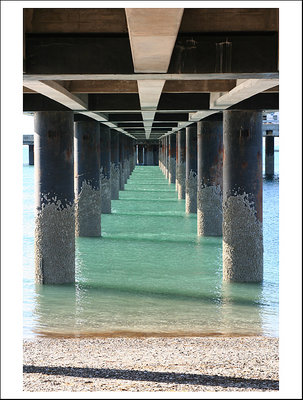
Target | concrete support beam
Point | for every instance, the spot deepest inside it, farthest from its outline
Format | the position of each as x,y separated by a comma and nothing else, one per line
269,154
245,89
57,92
181,138
172,158
115,165
130,76
87,178
242,196
149,95
54,197
31,154
210,178
191,170
155,29
105,169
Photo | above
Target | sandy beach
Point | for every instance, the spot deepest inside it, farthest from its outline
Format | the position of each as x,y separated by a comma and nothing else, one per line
186,364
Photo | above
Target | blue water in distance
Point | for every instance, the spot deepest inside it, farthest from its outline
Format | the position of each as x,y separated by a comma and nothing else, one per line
149,273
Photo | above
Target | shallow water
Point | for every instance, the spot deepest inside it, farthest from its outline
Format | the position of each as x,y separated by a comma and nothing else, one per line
149,274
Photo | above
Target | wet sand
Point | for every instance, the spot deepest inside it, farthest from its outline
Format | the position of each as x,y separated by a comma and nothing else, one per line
152,364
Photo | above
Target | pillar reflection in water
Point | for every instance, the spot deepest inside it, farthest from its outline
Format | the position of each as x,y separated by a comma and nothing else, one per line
55,312
241,308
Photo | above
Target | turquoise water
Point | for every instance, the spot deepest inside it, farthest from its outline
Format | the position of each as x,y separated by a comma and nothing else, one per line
149,274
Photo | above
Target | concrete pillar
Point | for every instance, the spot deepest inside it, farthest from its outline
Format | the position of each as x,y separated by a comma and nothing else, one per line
191,170
172,158
242,196
210,176
161,154
181,138
115,165
136,158
149,158
156,154
105,169
161,162
131,155
269,154
126,159
87,178
140,154
176,179
31,154
135,150
121,161
54,197
166,157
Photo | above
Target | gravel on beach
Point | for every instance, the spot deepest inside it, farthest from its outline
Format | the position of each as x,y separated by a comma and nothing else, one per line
153,364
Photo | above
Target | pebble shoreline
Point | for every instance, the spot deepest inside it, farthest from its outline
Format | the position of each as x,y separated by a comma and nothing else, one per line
184,364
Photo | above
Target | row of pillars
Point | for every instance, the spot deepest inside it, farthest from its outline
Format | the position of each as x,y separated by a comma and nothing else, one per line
147,154
79,168
216,165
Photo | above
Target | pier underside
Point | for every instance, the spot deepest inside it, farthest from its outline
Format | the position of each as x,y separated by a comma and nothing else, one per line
155,84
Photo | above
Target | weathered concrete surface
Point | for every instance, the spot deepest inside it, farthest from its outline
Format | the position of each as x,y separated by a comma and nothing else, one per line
191,170
172,158
191,193
210,176
88,211
54,243
242,196
87,178
54,197
106,207
177,163
105,167
126,170
181,162
114,165
181,180
166,158
242,241
209,211
121,176
172,170
114,180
